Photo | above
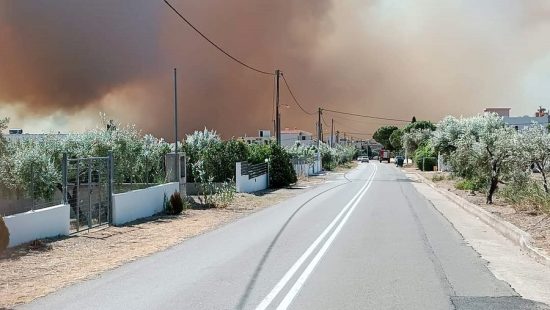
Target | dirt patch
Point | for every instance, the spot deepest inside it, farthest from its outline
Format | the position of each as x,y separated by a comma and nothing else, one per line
42,267
526,218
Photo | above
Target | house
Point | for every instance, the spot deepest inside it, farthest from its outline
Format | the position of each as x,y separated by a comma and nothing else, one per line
16,135
289,137
521,122
264,137
504,112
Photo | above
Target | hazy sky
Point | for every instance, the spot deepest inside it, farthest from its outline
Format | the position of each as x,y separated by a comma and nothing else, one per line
62,62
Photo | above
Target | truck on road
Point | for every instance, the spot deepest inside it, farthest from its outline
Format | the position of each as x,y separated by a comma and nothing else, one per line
384,155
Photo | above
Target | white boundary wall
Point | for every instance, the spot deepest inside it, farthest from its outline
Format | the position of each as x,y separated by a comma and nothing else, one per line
141,203
245,185
38,224
312,169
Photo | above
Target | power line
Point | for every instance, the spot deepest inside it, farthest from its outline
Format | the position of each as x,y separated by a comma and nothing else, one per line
214,44
367,116
356,120
293,97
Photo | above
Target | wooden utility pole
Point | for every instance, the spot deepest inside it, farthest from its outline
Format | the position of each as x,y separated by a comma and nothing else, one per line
176,160
319,128
332,133
277,114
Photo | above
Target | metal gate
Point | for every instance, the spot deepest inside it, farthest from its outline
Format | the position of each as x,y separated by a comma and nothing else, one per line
88,189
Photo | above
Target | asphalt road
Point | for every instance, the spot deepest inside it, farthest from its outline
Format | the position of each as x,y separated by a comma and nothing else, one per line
366,240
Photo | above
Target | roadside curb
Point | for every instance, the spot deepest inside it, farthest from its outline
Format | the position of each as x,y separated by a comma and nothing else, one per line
513,233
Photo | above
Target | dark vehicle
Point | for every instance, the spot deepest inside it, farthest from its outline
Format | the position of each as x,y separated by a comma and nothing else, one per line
399,160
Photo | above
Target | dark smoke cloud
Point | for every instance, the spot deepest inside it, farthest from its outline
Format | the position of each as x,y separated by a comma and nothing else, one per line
66,54
388,58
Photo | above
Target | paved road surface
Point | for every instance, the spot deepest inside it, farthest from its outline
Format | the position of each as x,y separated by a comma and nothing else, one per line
366,240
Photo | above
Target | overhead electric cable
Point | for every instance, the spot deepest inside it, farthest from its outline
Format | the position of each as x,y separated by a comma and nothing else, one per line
367,116
294,97
214,44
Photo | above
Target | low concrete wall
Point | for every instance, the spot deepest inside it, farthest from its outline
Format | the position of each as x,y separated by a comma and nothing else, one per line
141,203
246,185
38,224
304,169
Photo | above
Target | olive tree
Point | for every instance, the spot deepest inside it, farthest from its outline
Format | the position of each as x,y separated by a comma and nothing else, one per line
480,148
3,126
415,138
535,147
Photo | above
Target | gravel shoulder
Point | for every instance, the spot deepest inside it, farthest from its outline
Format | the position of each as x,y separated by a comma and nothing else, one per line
42,267
524,217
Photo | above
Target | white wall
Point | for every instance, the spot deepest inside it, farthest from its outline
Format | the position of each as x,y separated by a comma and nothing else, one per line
141,203
245,185
38,224
306,169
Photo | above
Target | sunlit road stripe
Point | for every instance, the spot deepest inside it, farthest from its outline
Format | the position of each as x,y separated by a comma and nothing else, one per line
290,273
307,272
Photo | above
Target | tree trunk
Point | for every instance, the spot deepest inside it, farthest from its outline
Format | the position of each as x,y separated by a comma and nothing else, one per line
492,189
543,173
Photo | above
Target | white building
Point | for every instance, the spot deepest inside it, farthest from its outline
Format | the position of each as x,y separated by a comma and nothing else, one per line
289,137
521,122
16,134
264,137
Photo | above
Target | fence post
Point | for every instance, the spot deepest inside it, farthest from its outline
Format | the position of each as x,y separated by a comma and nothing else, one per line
33,185
65,200
89,193
110,168
77,197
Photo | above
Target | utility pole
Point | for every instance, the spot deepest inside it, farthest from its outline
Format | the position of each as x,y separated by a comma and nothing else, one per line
332,133
176,160
277,114
319,128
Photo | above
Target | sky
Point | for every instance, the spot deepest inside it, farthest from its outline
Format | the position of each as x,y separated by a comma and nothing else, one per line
63,62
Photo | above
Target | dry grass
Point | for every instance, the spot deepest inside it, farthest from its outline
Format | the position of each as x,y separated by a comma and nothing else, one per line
37,269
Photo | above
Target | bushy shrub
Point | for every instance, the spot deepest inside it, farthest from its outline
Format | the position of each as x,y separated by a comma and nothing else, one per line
225,194
4,235
209,159
467,185
530,193
258,153
338,155
425,158
281,172
438,177
175,205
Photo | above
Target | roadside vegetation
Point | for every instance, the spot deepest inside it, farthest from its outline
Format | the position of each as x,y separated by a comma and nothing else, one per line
139,159
483,154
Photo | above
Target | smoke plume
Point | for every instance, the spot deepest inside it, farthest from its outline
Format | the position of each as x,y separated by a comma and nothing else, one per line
66,60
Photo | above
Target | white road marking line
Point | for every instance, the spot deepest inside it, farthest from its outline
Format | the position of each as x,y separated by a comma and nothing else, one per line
290,273
307,272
